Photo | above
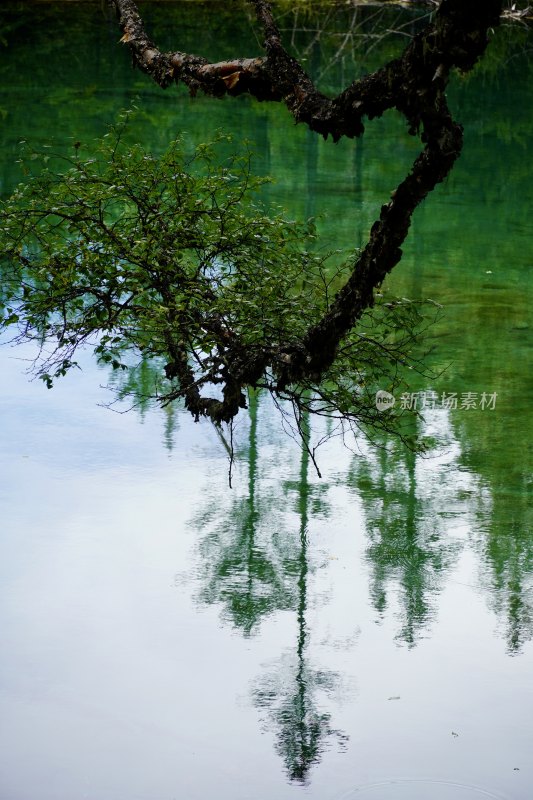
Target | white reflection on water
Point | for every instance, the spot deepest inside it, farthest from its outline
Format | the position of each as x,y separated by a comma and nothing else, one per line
121,678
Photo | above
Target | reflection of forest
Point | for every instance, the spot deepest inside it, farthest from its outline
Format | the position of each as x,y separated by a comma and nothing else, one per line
256,558
249,558
412,515
505,543
256,562
412,510
421,514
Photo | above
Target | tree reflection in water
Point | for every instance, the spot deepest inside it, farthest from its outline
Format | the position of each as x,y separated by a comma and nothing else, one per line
507,550
256,563
417,509
248,561
289,692
421,515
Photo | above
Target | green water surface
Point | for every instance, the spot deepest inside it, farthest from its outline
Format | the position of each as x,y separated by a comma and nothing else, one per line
367,634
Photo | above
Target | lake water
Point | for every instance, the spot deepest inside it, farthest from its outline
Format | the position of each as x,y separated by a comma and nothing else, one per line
367,634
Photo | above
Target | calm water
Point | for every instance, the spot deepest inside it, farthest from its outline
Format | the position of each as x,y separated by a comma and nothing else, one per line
364,635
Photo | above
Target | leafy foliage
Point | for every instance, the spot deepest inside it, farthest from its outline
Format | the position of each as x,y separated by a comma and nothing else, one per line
173,260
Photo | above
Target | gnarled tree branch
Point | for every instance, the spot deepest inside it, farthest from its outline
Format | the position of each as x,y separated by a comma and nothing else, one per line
414,84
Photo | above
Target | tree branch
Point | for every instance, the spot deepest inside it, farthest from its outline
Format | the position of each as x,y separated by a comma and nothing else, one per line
457,37
414,84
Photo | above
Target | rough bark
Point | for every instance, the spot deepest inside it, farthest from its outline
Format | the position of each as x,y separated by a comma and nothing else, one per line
414,84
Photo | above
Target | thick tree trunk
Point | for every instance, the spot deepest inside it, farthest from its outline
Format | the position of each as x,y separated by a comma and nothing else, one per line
414,84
